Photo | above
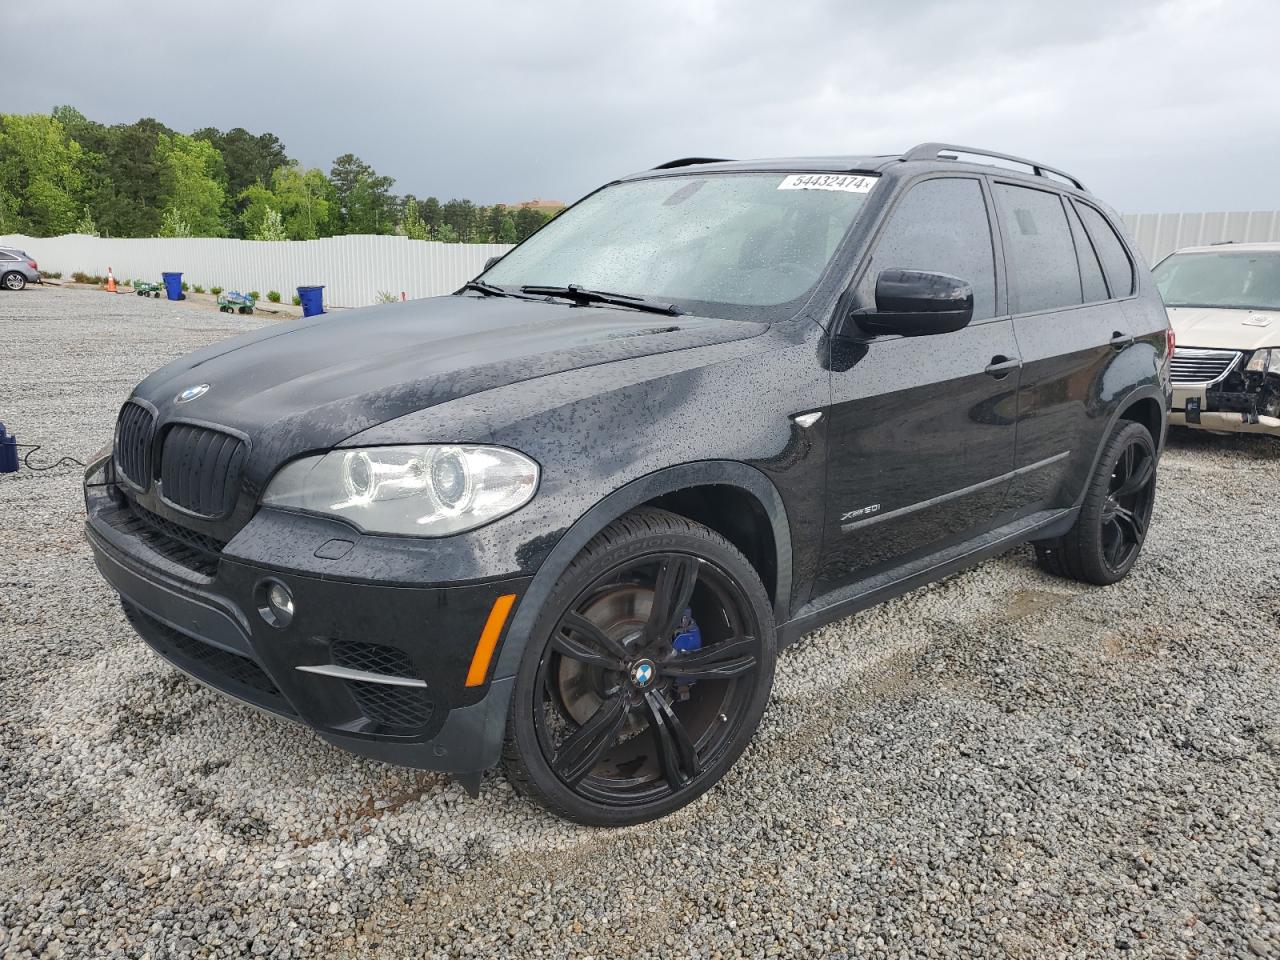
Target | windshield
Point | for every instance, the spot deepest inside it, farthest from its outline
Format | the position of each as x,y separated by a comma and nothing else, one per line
719,245
1240,279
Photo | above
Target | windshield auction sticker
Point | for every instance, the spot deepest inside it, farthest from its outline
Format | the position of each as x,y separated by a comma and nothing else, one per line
858,183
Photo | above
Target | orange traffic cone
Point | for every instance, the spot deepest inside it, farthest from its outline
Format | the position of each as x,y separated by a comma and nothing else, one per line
111,281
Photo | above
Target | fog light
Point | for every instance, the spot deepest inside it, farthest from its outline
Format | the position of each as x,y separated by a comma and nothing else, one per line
276,603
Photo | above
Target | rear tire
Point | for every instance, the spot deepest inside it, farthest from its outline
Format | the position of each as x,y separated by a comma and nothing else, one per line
13,280
1103,545
646,675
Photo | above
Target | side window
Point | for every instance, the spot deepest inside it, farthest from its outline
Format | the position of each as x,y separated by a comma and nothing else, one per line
6,256
1095,288
1043,273
941,226
1115,259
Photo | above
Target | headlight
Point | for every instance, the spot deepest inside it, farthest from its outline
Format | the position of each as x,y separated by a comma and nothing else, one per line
1264,361
422,491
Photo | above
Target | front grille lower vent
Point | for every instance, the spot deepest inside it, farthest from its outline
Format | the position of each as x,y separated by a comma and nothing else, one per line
200,469
228,671
187,548
134,433
403,707
372,658
1192,365
390,704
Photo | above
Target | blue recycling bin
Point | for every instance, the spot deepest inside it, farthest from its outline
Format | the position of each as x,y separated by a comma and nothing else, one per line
312,300
173,286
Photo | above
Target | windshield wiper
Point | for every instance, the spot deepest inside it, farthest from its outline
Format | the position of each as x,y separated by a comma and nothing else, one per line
488,289
584,296
492,290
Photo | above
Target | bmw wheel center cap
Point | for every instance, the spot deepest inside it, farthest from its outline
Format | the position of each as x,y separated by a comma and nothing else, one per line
642,673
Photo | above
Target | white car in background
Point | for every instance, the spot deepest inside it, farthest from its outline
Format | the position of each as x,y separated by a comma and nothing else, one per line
1224,307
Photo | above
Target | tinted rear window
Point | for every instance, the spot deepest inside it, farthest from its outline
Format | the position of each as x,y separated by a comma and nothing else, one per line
1039,251
1115,259
1095,287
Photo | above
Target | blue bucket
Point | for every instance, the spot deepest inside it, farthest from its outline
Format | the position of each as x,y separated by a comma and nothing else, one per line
312,300
173,286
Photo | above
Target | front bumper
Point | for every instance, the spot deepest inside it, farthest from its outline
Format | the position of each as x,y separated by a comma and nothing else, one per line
1192,408
378,667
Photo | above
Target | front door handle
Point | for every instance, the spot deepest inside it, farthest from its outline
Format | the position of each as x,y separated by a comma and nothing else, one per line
1120,340
1001,366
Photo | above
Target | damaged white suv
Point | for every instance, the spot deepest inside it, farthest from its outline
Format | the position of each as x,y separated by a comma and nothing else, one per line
1224,307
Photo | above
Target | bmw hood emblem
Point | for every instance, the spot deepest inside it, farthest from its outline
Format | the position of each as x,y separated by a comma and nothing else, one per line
642,673
189,394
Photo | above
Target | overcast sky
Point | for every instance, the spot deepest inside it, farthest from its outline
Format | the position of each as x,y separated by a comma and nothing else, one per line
1157,105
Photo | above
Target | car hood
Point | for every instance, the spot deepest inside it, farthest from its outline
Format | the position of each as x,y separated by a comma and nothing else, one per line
1221,329
305,385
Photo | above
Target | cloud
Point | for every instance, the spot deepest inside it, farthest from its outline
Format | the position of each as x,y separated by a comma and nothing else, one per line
1156,104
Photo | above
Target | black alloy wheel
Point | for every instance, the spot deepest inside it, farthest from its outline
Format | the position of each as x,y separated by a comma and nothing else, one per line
651,679
1111,528
1126,512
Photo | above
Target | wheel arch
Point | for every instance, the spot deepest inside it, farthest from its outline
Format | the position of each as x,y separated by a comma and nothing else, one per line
1148,411
688,490
1148,405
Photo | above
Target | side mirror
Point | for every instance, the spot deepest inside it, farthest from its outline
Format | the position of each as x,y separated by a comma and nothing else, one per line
490,262
915,303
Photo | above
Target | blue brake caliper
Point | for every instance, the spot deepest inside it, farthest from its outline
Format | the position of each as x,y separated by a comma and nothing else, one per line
688,638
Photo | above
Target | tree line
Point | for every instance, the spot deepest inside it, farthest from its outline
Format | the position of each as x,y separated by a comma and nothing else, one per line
64,173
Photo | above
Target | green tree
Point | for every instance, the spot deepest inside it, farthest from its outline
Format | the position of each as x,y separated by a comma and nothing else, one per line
431,215
272,226
527,221
192,176
507,230
254,202
461,216
172,224
41,175
415,228
494,216
87,226
247,159
362,197
305,200
127,177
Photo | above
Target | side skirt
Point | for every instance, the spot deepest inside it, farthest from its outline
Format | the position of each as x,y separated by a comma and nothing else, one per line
892,583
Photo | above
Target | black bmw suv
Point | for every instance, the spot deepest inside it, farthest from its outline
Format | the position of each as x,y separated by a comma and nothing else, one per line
564,519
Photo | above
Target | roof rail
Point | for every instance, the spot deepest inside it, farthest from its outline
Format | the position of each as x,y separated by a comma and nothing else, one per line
938,151
689,162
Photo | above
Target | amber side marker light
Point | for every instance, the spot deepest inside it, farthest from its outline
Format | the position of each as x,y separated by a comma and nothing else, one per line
489,639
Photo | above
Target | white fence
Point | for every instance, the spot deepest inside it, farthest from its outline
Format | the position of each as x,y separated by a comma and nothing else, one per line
354,269
1159,234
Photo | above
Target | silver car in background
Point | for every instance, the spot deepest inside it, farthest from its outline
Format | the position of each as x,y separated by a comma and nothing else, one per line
17,269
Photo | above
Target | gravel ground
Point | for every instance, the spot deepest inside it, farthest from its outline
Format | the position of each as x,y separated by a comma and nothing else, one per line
1001,765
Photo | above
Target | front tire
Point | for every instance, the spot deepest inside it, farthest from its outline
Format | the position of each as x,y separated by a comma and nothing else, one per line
646,675
13,280
1103,545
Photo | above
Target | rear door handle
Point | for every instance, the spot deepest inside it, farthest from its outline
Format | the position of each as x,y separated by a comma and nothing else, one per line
1001,366
1120,340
